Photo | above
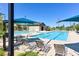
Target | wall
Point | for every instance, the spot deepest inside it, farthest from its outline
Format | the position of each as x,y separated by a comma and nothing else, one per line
34,28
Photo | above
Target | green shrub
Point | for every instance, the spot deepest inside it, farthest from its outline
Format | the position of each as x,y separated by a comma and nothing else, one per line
77,27
30,53
2,52
21,54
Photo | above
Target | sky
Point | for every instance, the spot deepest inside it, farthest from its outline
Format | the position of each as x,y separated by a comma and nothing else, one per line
49,13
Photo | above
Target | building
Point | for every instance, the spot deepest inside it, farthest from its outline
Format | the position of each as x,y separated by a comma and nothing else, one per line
29,26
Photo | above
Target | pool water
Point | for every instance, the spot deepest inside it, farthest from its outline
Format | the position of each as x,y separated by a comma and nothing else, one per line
20,32
53,35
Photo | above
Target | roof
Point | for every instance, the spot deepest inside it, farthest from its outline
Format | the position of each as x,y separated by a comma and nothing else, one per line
72,19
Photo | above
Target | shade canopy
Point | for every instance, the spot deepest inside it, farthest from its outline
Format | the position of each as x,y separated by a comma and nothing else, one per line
73,46
72,19
1,14
21,20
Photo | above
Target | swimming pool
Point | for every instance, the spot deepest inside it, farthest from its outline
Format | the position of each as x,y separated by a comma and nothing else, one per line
20,32
53,35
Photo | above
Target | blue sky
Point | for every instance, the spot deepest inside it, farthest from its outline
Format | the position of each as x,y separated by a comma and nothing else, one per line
49,13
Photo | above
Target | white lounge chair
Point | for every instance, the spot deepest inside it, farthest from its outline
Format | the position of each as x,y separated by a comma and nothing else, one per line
59,50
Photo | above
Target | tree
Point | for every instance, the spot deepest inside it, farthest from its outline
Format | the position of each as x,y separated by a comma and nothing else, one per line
77,27
1,25
60,27
49,28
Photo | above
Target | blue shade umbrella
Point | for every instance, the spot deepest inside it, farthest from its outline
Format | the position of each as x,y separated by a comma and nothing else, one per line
29,24
32,39
73,46
21,20
72,19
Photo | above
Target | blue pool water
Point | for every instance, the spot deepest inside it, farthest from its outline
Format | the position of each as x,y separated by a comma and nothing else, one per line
20,32
48,35
53,35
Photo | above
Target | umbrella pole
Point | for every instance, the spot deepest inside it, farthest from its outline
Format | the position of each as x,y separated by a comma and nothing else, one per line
11,29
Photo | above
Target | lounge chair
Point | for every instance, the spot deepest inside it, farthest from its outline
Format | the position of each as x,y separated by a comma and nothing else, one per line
40,44
32,46
17,44
59,50
43,47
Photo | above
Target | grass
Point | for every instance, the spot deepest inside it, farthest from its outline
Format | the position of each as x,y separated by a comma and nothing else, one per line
29,53
2,52
1,33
